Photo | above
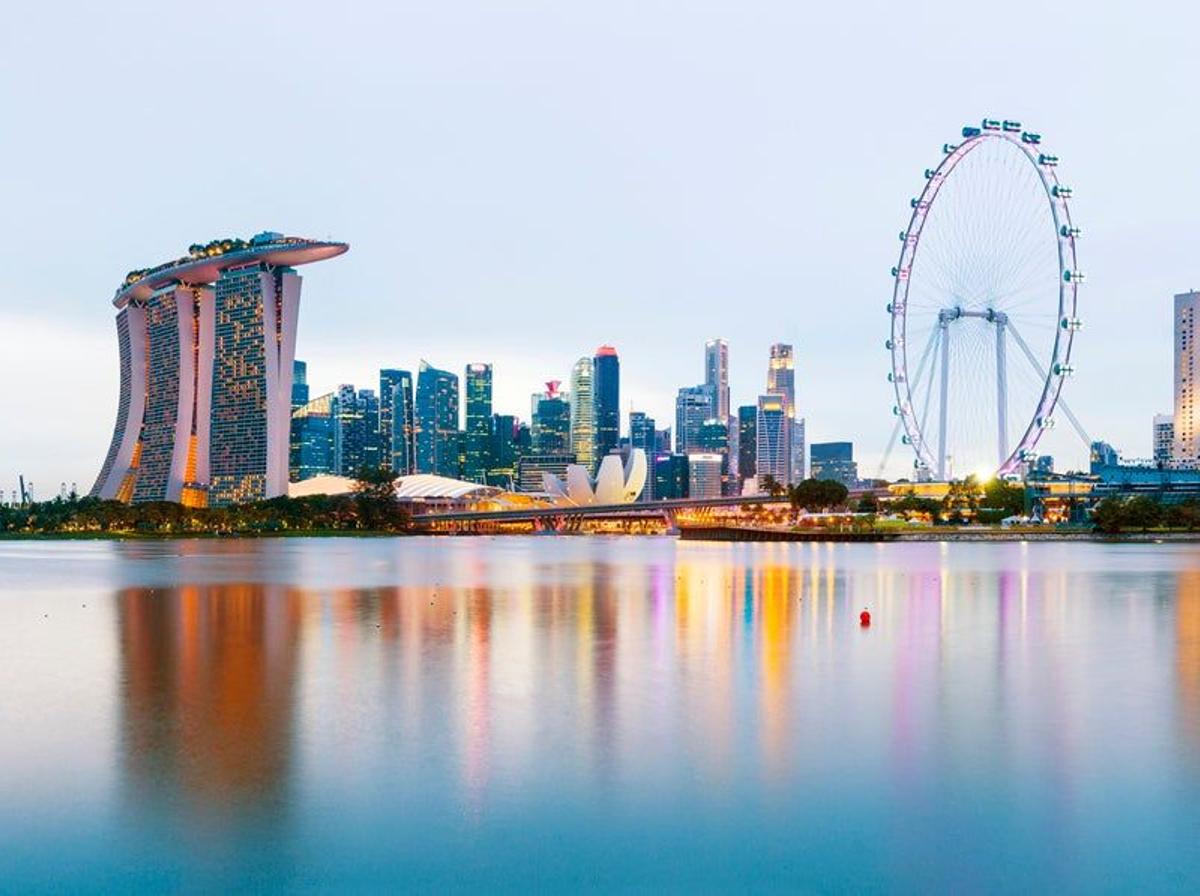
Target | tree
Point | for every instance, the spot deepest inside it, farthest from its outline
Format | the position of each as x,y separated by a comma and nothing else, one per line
375,500
773,486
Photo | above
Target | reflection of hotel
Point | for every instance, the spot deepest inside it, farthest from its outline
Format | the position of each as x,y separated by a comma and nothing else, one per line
207,691
207,344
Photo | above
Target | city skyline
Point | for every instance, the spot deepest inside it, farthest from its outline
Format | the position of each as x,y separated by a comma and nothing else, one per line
702,220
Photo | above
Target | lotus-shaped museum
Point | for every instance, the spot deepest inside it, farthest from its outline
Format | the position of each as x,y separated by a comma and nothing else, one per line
613,484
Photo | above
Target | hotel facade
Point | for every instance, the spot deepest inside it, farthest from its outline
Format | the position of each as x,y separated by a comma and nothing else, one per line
207,344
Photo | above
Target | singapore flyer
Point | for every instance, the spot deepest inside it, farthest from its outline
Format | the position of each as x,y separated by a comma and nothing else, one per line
984,305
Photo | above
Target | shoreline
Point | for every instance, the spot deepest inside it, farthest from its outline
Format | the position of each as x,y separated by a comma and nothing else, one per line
704,533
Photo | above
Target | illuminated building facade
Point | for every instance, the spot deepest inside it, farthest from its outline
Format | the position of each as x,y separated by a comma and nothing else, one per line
606,381
693,405
773,435
478,434
835,460
583,413
207,345
316,438
396,423
1187,431
437,438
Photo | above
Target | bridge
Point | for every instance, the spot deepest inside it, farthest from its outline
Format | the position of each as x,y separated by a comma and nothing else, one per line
636,518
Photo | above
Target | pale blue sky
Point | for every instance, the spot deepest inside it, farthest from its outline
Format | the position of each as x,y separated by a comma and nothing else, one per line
522,182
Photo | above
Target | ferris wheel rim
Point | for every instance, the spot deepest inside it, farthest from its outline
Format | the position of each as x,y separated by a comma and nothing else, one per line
1057,196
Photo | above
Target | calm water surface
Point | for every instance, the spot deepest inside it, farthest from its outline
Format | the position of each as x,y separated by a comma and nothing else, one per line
565,713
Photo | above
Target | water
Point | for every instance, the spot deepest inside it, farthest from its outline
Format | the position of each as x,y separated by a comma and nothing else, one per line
566,713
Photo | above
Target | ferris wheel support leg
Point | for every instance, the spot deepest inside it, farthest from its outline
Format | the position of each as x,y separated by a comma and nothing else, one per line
1001,395
942,409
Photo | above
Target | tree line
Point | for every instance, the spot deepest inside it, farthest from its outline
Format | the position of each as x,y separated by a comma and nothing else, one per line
371,507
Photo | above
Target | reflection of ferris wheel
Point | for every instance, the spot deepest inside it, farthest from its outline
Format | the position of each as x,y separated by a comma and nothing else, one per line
987,264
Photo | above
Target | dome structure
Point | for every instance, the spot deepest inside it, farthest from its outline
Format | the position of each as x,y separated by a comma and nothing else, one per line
613,484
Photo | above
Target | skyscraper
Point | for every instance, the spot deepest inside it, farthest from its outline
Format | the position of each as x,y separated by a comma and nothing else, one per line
716,375
642,435
773,434
781,380
583,413
299,384
316,437
693,405
504,452
299,399
606,382
478,433
552,422
1164,439
714,440
747,441
358,429
437,422
396,421
206,349
1187,426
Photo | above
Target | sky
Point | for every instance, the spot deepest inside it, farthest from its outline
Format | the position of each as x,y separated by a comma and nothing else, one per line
522,182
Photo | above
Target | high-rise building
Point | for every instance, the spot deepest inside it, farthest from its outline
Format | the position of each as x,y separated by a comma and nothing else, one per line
583,413
437,439
1164,439
704,475
693,405
747,442
478,432
299,384
773,435
834,460
1187,402
716,375
206,350
316,438
299,399
642,435
552,422
670,476
396,423
504,452
781,380
606,383
358,429
714,439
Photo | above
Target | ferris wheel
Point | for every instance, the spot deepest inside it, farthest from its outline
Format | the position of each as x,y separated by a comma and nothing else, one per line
987,265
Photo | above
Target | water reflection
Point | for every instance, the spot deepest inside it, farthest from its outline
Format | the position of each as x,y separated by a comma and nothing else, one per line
208,676
441,704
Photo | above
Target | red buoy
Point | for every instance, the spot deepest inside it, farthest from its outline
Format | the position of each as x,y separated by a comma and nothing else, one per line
864,618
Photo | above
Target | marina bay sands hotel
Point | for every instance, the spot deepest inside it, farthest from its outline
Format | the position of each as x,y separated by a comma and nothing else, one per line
207,344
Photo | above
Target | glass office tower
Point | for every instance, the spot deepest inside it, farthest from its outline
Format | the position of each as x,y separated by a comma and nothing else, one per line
478,432
606,383
396,421
437,422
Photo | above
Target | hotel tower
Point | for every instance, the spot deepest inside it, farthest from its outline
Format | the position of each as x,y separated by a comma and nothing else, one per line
206,349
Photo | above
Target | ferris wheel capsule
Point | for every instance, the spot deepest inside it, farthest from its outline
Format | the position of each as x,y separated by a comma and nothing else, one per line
1073,276
1073,324
1071,232
1061,191
1012,126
